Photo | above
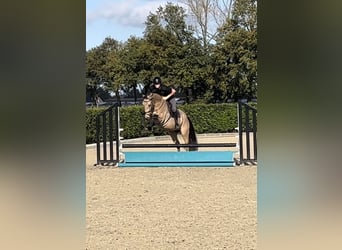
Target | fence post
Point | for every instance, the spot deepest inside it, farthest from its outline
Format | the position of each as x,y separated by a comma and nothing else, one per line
247,127
254,135
98,156
244,117
240,131
111,158
104,136
117,132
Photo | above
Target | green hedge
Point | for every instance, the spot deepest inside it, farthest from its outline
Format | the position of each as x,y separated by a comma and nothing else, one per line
91,114
206,118
212,118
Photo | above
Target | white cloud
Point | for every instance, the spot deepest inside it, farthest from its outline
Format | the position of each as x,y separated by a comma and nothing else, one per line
126,12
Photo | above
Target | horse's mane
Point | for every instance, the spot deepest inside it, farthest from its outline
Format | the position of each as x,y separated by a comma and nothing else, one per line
157,97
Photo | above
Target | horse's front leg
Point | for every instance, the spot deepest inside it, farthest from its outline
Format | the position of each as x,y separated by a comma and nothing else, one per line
175,139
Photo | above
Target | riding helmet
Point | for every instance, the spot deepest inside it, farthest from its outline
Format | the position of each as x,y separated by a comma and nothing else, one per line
157,80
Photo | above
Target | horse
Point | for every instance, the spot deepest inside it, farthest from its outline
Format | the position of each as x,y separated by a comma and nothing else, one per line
156,106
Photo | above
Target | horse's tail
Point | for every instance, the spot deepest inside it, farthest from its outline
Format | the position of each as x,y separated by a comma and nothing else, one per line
192,136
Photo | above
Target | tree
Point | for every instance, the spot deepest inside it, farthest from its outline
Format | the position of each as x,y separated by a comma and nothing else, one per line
130,65
176,55
216,72
166,34
222,11
99,69
236,53
207,16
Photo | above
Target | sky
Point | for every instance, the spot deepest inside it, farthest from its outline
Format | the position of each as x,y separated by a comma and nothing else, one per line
118,19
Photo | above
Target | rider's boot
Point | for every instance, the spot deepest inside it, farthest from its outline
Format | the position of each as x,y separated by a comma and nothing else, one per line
175,116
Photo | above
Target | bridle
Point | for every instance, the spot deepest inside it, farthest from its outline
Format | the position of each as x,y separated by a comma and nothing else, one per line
147,101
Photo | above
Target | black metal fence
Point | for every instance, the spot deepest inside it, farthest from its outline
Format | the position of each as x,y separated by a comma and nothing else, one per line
247,118
107,131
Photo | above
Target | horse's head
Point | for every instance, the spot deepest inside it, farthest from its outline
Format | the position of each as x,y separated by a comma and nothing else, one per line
148,106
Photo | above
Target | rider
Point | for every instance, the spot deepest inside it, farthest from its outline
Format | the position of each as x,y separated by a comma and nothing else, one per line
168,94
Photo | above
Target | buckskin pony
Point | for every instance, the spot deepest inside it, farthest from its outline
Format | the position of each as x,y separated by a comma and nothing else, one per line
155,105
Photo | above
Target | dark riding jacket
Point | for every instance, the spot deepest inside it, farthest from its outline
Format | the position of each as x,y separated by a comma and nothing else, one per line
163,90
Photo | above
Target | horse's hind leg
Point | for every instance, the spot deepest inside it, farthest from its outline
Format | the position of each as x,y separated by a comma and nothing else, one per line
175,139
185,135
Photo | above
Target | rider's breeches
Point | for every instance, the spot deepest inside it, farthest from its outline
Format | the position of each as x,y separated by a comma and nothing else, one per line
173,105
